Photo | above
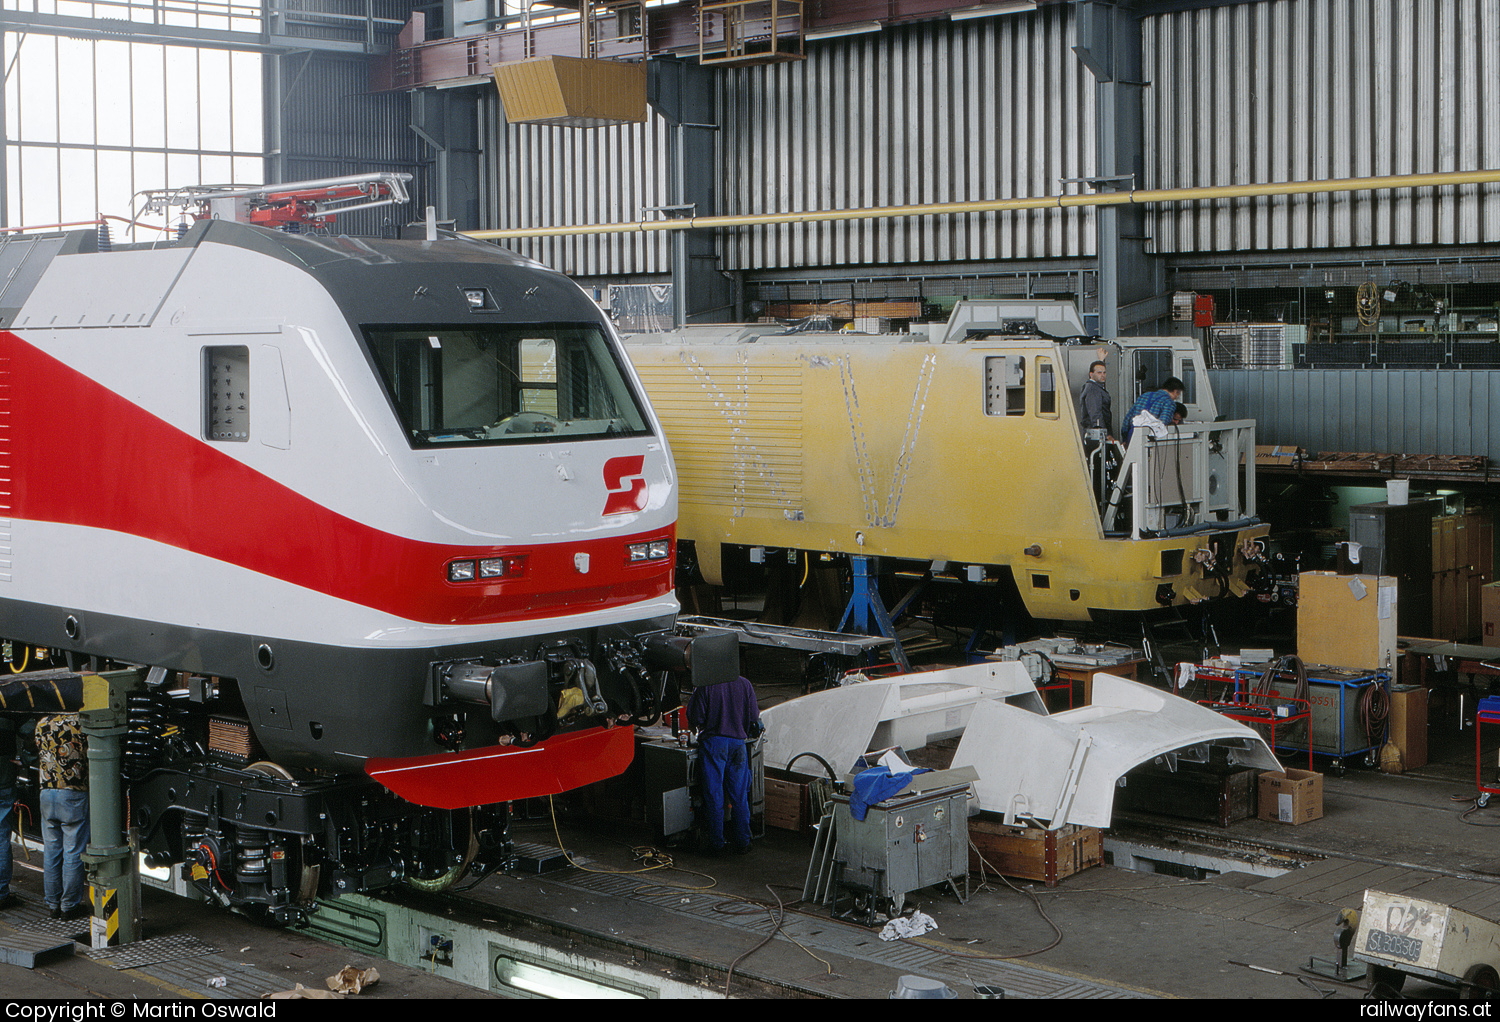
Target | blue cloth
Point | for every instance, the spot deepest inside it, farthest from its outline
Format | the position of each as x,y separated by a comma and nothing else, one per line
65,834
876,785
7,810
725,764
1158,402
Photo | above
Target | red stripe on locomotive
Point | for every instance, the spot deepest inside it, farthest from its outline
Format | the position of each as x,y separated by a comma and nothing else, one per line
88,457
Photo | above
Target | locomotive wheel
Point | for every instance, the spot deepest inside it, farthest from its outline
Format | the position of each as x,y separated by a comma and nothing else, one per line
1386,982
1480,983
301,878
447,879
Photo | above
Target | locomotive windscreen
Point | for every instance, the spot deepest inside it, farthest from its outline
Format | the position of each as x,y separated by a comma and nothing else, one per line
503,384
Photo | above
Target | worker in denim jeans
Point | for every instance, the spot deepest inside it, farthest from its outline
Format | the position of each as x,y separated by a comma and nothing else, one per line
726,715
65,813
7,808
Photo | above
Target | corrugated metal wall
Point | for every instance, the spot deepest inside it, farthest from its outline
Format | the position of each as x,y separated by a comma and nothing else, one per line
1297,89
539,176
1398,411
1263,91
934,112
332,125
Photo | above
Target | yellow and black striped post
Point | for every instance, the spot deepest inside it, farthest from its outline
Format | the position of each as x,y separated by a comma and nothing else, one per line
104,921
109,857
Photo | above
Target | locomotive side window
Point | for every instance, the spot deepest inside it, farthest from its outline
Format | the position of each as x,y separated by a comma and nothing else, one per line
226,393
497,384
1005,385
1046,388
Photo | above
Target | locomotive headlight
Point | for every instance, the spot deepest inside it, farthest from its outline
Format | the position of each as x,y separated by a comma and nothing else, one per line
475,298
487,569
656,550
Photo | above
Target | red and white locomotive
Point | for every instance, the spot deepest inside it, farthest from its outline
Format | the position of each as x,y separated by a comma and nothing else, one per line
376,509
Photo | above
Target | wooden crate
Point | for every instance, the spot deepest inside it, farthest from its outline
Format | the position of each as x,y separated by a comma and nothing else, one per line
1030,853
788,803
1208,792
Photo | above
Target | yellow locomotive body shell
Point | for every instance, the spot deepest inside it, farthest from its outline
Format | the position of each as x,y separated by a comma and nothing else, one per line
912,450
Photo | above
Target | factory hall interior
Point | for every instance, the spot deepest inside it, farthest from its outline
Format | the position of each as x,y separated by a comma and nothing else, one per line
711,499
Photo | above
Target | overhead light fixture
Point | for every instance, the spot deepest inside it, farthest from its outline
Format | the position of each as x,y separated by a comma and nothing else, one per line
991,10
835,31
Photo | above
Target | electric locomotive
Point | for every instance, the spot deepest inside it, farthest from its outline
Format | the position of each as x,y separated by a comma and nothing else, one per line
370,511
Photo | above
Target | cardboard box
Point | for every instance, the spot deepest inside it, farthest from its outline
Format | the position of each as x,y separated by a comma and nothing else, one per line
1292,796
1278,456
1031,853
1347,621
1409,724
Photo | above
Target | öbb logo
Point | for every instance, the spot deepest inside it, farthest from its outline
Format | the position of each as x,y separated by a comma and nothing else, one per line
626,484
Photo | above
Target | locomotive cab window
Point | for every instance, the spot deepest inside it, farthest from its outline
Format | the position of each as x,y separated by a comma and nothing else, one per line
1005,385
504,384
226,393
1154,365
1046,388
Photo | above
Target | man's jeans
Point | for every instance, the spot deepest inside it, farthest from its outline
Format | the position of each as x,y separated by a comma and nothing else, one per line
65,834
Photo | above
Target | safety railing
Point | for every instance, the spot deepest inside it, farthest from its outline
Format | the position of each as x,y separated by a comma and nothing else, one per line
1187,480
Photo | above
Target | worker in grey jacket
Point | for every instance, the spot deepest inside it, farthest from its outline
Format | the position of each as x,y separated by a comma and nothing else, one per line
1094,417
1093,402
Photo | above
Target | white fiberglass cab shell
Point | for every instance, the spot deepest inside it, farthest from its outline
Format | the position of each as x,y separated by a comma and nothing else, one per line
1064,768
1054,769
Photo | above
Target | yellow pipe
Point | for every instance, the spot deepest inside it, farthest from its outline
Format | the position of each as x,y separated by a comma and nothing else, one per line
1122,198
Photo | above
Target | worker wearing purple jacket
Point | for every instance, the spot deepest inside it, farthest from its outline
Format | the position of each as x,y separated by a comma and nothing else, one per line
725,715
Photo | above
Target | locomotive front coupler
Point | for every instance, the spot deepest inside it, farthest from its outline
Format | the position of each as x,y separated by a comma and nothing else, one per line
512,689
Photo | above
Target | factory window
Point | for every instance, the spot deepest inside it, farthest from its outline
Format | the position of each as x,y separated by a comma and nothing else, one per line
504,384
226,391
1005,385
1152,366
1046,388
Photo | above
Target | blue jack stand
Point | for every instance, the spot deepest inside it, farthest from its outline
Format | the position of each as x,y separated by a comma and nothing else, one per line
866,613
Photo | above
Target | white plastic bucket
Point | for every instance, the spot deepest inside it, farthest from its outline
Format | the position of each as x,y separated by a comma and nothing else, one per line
1397,490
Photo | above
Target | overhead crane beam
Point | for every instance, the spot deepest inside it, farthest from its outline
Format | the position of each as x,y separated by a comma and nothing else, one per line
1142,196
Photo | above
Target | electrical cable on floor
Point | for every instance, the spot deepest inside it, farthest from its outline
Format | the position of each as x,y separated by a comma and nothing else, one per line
775,929
777,919
1464,816
656,859
983,863
660,860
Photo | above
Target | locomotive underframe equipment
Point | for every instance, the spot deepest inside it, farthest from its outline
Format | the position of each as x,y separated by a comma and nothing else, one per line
257,837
